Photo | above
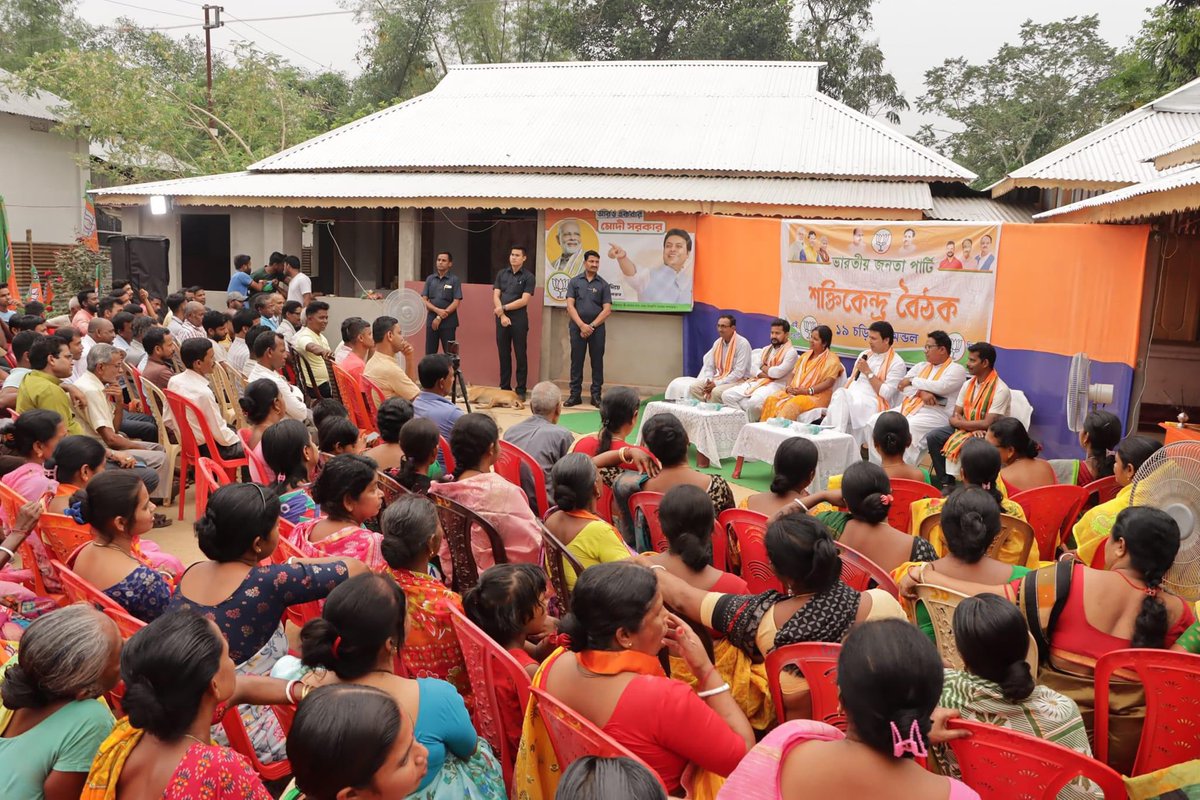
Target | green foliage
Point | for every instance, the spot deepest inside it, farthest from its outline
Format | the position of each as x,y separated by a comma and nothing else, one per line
1163,56
1028,99
75,270
29,27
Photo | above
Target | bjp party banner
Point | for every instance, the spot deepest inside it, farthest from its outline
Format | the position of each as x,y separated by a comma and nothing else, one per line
918,276
646,258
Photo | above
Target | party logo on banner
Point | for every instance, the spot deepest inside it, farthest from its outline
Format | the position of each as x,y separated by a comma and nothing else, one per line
918,276
647,258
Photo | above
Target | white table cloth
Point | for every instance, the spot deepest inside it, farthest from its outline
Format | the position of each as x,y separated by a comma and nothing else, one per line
835,450
712,431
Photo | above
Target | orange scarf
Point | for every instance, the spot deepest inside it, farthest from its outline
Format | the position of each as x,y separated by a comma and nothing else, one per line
808,370
723,357
774,361
975,407
911,404
883,404
614,662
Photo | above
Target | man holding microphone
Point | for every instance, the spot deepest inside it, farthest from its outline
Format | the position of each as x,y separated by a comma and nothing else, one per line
589,303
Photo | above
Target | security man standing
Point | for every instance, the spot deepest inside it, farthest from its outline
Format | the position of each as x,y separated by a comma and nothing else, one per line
589,303
442,295
511,293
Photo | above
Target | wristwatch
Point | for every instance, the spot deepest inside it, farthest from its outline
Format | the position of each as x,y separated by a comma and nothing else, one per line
870,376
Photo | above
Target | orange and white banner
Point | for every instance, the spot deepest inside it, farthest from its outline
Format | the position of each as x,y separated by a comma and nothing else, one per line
919,276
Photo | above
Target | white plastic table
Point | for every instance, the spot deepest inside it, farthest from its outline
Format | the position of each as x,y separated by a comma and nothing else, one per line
835,450
713,431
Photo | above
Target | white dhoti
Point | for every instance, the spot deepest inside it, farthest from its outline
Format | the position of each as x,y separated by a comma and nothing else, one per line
683,388
920,424
746,397
851,409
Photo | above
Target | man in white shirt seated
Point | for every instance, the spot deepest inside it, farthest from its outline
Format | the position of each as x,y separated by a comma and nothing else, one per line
239,352
929,390
100,331
775,364
726,363
981,401
192,384
193,321
269,353
873,385
102,417
216,328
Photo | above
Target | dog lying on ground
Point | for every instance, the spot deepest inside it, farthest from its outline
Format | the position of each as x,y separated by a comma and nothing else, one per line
492,397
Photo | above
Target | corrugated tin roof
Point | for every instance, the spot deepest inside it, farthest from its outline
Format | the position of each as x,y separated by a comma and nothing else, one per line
39,105
1118,153
694,117
397,188
979,209
1180,179
1185,151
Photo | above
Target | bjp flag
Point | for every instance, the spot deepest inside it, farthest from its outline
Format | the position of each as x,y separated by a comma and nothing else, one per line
8,272
88,229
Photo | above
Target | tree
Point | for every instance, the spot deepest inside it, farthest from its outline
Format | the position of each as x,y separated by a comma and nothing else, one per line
832,31
1029,99
1163,56
29,27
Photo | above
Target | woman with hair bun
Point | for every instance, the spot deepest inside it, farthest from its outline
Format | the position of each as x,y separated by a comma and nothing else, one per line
1099,438
1019,453
117,506
419,438
347,492
891,437
996,686
596,778
77,459
867,492
51,722
815,605
618,416
890,679
358,640
795,467
34,436
611,675
350,738
394,414
292,456
264,406
575,488
178,679
248,599
1095,526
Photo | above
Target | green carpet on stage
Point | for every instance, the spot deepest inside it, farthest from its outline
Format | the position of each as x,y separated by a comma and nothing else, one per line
755,475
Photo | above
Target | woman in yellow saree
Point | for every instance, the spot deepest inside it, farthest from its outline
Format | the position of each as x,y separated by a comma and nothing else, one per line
1096,525
812,381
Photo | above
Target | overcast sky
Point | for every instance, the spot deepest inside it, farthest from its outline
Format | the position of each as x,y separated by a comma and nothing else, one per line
914,34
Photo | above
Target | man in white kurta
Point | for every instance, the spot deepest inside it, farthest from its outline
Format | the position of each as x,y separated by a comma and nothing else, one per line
873,385
726,363
928,393
775,364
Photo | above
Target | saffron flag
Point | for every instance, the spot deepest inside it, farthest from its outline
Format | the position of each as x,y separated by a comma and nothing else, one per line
8,272
88,229
35,284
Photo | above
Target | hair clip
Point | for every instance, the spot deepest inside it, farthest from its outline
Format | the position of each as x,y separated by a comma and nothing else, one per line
886,499
914,744
280,477
337,641
1151,591
75,511
986,486
560,640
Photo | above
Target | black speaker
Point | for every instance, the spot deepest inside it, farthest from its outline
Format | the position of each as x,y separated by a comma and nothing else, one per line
143,261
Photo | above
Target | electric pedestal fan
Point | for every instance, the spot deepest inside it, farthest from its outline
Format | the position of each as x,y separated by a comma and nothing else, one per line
1082,394
1170,480
408,309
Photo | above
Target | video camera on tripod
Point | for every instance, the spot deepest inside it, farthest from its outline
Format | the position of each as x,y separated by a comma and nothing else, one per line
460,382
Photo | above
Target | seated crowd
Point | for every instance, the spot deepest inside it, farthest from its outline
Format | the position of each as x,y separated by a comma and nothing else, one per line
331,643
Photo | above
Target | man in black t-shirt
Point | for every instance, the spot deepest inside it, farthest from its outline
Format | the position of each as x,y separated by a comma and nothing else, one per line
511,294
442,295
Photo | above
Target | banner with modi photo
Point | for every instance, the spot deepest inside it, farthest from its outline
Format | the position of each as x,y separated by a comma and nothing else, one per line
918,276
647,258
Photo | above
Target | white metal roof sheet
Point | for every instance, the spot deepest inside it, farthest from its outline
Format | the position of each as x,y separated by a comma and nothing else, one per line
749,118
1120,152
979,209
397,187
1181,179
39,105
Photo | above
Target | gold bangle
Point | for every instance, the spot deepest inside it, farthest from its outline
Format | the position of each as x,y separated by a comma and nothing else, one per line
624,454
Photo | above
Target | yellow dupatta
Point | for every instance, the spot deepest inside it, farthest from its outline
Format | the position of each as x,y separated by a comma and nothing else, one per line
110,760
975,407
809,370
912,404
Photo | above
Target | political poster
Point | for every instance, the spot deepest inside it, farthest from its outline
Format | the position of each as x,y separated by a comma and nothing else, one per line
918,276
647,258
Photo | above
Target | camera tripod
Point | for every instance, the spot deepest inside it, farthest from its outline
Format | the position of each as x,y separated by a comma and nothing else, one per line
460,383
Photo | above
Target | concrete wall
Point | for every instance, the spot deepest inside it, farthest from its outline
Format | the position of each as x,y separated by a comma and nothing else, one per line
43,178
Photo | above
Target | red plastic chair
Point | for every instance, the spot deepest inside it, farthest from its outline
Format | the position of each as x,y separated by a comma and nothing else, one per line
1052,511
1104,489
858,572
127,624
63,535
239,741
352,398
10,503
1172,683
574,737
444,454
79,590
904,494
817,662
497,680
373,396
509,466
604,503
299,613
209,478
647,503
750,530
185,410
1002,764
259,471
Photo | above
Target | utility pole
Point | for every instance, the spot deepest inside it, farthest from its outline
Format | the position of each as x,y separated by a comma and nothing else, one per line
212,19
